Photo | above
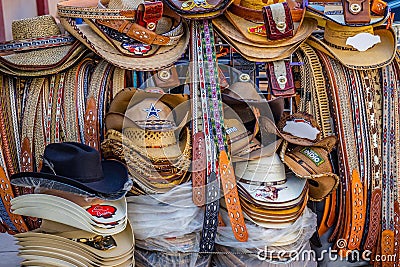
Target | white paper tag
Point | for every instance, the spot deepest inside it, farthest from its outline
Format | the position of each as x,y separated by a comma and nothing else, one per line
301,129
363,41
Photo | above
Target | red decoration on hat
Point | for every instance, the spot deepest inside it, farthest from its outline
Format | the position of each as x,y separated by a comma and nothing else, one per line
102,211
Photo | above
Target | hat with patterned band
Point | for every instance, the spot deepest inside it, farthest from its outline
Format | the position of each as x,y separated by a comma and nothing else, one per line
357,47
38,48
132,35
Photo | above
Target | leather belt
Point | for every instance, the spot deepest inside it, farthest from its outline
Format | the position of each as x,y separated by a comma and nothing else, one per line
144,35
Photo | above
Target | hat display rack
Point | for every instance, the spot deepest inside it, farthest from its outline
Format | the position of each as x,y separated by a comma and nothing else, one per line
202,133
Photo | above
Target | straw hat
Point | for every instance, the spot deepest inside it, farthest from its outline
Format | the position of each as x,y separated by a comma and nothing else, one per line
118,48
260,52
332,11
38,47
334,45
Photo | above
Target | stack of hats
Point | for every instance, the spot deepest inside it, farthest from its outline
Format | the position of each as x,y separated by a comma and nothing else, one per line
81,201
248,30
167,228
148,132
128,34
39,48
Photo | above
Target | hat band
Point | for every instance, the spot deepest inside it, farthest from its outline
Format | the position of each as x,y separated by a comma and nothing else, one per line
37,43
155,124
242,180
340,47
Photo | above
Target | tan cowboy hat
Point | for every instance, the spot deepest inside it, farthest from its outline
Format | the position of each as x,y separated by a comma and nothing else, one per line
154,47
250,50
244,18
299,128
332,11
39,48
334,45
312,163
242,95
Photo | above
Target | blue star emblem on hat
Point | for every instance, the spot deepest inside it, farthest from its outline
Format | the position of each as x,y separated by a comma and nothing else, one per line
152,111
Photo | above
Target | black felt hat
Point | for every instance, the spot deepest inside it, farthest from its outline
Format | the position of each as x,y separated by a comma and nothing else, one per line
77,168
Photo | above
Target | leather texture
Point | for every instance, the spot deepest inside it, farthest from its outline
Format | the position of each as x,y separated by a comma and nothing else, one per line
374,219
358,212
231,195
281,79
278,26
91,126
356,11
167,78
387,247
378,7
199,169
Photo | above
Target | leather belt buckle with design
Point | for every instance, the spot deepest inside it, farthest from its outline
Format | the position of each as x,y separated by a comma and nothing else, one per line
278,21
148,14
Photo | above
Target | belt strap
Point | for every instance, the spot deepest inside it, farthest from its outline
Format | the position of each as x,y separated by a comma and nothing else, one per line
228,179
37,43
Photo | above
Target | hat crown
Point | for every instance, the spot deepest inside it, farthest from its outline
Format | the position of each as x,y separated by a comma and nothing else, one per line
149,109
338,34
41,26
243,90
73,160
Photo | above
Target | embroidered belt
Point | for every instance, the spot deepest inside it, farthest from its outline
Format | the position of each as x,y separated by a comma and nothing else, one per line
228,179
37,43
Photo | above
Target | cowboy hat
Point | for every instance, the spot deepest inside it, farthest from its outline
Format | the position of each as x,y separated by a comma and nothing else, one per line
299,128
335,44
313,164
62,170
156,46
38,48
199,10
252,51
332,11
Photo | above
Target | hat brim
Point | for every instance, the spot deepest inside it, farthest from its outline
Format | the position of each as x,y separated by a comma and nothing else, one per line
260,54
164,57
316,10
241,26
111,186
378,56
270,127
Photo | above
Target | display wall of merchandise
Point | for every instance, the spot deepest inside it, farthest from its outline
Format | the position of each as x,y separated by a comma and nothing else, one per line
202,133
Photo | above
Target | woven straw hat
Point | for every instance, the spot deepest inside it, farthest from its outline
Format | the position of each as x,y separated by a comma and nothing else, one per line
334,45
119,49
38,48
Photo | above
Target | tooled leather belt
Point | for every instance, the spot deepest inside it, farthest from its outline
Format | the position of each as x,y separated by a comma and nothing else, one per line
225,171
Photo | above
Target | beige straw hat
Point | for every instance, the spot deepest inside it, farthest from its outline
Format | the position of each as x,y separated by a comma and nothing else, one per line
131,50
334,45
38,48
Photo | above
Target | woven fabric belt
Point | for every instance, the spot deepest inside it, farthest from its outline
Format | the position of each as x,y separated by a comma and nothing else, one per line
37,43
212,190
226,172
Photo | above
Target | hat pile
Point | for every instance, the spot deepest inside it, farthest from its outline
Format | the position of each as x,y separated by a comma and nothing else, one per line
244,27
39,48
84,209
147,131
134,35
305,153
167,228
